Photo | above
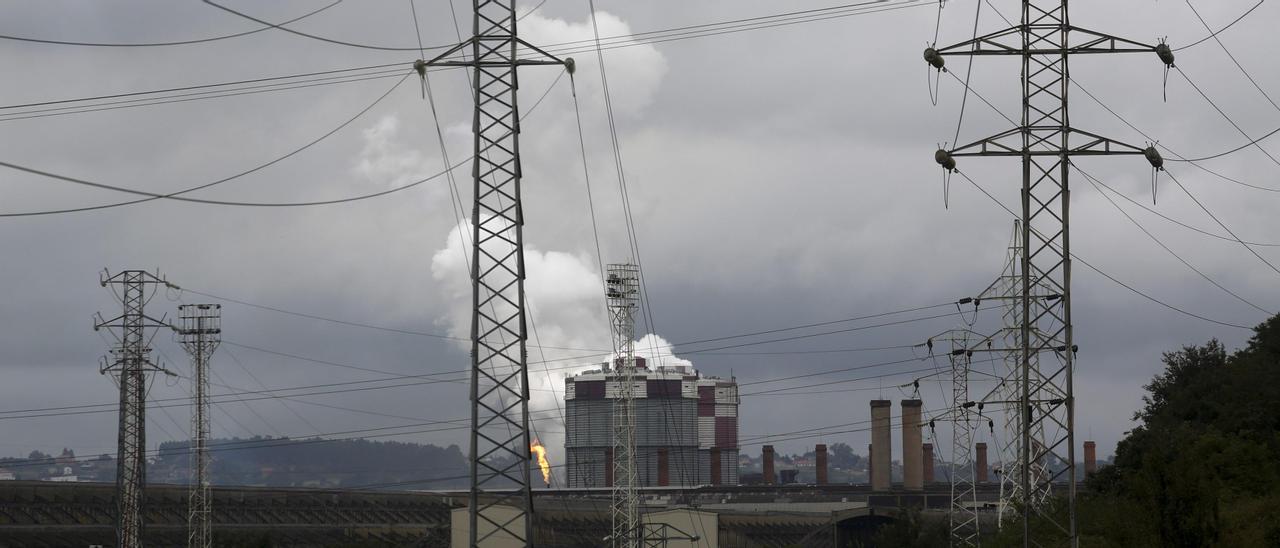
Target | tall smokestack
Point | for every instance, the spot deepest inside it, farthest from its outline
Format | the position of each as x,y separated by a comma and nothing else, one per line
881,444
767,455
869,462
820,456
928,463
912,452
980,467
1090,458
664,470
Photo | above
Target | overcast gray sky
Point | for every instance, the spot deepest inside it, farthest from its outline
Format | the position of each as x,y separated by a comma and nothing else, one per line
778,177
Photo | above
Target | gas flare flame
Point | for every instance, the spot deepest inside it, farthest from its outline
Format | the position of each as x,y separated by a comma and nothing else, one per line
537,449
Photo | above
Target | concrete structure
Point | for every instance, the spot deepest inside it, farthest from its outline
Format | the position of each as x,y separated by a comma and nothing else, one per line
912,450
684,418
766,463
1090,458
980,466
820,464
927,449
881,444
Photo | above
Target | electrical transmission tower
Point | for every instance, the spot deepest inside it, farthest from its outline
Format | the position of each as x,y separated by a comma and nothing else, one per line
622,289
499,443
130,365
201,331
1045,140
964,494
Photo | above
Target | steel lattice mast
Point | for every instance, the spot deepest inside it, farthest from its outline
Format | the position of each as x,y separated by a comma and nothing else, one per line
1045,141
200,332
622,289
964,495
131,365
499,442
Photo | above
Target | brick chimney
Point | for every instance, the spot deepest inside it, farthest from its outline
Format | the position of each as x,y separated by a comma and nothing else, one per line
1090,458
912,440
881,444
820,466
980,467
767,454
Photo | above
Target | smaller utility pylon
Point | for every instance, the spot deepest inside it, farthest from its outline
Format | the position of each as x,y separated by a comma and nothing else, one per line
200,332
130,366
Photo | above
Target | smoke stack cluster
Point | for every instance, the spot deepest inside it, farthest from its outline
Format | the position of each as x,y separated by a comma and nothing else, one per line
767,455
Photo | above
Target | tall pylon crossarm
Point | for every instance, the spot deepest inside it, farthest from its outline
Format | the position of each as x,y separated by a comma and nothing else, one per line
499,441
1045,140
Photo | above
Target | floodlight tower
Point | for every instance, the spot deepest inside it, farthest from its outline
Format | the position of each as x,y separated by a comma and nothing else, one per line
499,443
131,365
1045,141
201,331
622,291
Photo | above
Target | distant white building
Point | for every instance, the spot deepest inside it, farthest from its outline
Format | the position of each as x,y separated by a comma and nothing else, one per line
6,475
68,474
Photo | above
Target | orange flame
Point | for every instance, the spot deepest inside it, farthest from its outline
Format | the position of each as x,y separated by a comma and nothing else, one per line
537,449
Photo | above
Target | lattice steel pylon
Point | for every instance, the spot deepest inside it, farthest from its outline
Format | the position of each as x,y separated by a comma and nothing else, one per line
200,331
499,441
622,290
130,366
1045,140
962,513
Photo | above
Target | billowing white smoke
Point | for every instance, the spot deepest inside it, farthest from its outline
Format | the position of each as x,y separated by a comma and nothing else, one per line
569,331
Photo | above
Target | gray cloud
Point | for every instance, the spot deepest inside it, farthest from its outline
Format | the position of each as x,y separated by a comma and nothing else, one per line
778,177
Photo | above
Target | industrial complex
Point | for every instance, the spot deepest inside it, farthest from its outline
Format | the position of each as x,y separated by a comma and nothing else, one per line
686,426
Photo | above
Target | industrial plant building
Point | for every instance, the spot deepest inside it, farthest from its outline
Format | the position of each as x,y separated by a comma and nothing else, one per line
686,426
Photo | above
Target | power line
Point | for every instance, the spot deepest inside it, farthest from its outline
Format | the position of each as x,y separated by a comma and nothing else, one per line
1213,35
31,114
1108,276
1221,224
201,86
153,195
1092,180
155,44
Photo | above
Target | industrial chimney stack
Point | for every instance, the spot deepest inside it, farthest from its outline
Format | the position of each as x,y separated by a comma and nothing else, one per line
881,445
980,467
820,463
912,452
767,455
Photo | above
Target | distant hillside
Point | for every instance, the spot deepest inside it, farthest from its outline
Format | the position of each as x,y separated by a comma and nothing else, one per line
283,462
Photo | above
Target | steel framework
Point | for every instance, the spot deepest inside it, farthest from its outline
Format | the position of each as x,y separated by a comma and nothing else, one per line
964,495
1045,140
130,366
499,441
200,332
622,289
